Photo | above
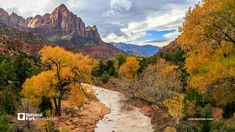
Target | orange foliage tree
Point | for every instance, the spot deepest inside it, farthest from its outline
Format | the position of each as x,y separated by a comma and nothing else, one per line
65,69
130,68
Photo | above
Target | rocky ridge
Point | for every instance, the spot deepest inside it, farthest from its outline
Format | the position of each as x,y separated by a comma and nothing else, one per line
61,22
62,27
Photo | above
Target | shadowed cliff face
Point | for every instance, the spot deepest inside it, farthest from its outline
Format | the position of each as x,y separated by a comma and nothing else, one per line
64,28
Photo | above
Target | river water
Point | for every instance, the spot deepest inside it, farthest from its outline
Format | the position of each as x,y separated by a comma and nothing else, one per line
120,120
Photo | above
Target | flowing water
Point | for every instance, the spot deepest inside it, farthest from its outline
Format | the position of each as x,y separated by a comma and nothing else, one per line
120,120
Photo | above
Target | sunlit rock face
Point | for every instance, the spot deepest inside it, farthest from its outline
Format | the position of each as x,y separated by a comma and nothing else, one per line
63,27
13,20
62,22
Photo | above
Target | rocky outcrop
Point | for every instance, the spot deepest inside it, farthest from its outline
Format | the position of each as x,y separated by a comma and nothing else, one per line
17,21
173,46
13,20
64,28
60,23
4,16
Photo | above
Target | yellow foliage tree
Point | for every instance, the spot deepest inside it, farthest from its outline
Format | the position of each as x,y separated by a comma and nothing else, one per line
210,21
211,72
79,92
76,97
223,90
175,106
169,129
130,68
209,39
65,69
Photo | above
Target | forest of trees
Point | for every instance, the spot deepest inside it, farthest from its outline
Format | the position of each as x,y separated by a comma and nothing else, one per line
14,69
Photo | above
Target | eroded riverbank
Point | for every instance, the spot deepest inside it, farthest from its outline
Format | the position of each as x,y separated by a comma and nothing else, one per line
120,119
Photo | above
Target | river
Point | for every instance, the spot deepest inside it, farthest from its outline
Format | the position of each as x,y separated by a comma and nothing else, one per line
120,120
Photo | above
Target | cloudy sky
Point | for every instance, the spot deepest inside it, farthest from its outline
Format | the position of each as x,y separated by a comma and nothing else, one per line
139,22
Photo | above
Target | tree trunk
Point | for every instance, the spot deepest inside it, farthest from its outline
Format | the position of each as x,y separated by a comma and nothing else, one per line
56,106
59,106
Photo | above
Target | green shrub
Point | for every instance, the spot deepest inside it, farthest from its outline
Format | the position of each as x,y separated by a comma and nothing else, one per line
15,69
4,124
228,110
193,95
104,70
7,103
45,105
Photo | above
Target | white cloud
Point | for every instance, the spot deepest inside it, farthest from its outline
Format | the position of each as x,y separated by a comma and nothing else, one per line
168,21
164,43
159,44
118,6
156,21
172,35
124,38
117,20
24,8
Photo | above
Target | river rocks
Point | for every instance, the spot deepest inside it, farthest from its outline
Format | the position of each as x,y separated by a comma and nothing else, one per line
217,114
89,114
84,119
75,120
146,110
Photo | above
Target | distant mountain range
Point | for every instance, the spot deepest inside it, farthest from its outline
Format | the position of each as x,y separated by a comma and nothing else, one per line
145,50
64,28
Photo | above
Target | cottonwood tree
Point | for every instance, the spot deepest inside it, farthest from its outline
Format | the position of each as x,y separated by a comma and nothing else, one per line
214,21
64,68
175,106
210,46
130,68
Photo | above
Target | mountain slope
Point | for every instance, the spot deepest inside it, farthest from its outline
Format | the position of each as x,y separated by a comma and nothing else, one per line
64,28
145,50
171,47
13,41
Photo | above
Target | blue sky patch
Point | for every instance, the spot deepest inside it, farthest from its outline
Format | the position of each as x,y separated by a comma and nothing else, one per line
155,35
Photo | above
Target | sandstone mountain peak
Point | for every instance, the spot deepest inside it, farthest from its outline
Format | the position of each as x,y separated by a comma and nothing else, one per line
62,6
61,9
62,27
